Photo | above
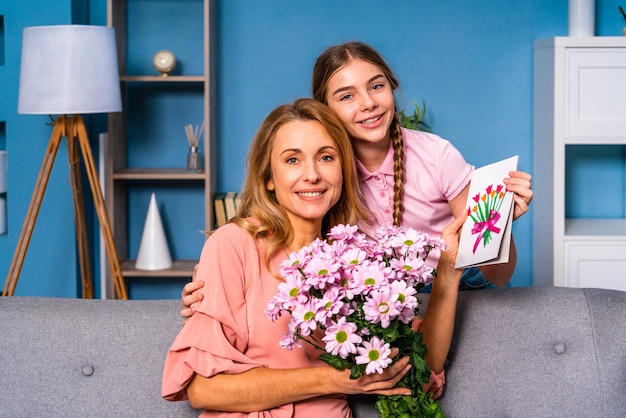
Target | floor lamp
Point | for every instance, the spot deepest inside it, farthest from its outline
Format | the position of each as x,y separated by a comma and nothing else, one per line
69,70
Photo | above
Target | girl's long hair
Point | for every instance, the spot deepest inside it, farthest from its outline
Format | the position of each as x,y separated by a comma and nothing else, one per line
331,61
260,203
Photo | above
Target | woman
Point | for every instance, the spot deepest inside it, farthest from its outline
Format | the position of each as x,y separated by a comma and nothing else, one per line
301,180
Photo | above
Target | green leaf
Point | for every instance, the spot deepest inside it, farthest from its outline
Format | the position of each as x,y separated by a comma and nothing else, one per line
335,361
419,404
416,120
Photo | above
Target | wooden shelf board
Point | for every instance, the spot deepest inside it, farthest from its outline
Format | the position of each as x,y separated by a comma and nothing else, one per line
595,141
180,268
160,79
158,174
600,228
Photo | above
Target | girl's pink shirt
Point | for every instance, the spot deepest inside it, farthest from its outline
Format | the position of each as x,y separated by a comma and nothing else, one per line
230,332
435,172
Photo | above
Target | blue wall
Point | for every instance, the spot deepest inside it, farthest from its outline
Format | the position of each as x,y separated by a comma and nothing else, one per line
470,61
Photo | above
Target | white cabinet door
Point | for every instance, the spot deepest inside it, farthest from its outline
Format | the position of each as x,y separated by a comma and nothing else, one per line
595,93
597,264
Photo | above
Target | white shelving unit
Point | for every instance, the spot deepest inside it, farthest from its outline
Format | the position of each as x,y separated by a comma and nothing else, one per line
579,99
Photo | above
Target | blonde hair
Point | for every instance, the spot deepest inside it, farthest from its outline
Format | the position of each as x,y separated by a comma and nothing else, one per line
260,203
331,61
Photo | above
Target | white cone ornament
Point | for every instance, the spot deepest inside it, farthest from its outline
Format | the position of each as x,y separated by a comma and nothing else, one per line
154,253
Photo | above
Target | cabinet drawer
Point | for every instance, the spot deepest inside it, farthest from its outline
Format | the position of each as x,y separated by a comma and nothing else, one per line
595,99
598,264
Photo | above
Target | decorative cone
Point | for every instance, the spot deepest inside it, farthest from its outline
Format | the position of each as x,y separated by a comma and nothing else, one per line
154,253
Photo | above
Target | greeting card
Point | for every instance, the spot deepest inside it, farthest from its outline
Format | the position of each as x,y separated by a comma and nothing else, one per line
486,234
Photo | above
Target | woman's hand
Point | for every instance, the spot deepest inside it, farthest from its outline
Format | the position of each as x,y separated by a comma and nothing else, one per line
190,295
451,235
377,383
520,184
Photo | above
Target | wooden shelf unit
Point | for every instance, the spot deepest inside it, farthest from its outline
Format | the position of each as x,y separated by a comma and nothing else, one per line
120,177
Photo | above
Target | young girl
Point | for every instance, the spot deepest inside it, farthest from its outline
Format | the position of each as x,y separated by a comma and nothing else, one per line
408,177
301,180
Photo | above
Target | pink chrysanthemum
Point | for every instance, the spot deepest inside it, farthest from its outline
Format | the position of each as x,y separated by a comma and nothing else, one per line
321,271
292,291
370,276
410,241
341,338
375,353
295,261
304,317
412,269
352,257
289,342
381,308
347,233
406,302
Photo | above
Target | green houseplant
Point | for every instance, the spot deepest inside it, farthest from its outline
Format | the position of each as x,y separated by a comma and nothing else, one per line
416,120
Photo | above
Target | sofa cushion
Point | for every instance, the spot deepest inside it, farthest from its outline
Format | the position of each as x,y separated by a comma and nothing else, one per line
86,358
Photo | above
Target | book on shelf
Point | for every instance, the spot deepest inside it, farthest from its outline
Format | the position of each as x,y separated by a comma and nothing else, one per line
237,201
220,209
229,204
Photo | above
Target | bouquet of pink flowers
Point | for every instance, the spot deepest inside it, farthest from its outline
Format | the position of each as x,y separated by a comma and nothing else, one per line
362,294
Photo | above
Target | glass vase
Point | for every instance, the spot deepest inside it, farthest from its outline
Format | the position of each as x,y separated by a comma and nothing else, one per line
194,159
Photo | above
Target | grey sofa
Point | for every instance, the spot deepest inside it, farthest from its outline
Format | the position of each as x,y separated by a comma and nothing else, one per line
520,352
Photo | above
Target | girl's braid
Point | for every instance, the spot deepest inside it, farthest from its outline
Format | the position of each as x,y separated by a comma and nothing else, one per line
398,169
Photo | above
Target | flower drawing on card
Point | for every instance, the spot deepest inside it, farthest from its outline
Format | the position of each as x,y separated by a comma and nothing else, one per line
486,213
486,233
362,294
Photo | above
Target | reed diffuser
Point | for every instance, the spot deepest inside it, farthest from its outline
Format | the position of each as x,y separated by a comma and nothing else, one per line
194,156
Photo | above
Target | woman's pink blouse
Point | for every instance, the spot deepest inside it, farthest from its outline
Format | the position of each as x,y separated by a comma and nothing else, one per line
230,332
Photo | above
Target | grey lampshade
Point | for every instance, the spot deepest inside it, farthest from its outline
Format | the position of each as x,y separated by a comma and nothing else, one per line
69,69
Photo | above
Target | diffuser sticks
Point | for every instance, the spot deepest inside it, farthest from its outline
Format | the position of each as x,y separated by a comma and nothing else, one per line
194,158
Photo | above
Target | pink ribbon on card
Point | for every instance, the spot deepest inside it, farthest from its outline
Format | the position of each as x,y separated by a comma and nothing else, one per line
489,224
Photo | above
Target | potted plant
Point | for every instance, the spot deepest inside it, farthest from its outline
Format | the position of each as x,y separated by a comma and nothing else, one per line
416,120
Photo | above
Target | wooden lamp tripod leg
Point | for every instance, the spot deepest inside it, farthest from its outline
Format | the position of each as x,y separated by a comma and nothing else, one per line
33,208
116,271
82,242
